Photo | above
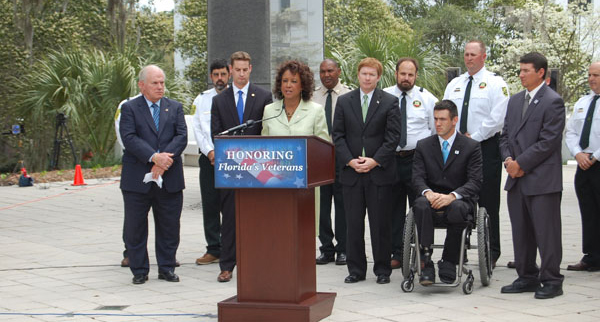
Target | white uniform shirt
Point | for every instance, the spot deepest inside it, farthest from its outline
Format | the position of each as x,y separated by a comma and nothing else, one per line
419,114
320,96
575,126
118,119
201,120
487,103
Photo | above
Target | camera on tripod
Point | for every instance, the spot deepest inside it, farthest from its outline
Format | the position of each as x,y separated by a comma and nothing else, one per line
61,136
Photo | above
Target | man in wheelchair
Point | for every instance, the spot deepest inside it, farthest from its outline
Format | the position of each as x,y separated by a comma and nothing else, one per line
447,173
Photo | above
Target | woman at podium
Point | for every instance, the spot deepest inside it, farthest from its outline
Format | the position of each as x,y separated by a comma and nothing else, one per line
293,113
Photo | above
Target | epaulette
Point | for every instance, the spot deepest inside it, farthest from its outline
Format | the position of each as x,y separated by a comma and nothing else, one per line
421,89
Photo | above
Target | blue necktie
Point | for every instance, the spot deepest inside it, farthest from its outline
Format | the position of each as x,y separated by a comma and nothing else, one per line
445,151
240,106
155,114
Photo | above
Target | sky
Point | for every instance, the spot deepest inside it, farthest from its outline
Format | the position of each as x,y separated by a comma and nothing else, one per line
160,5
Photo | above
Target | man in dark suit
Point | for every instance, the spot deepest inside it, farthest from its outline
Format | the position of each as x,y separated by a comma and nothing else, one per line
447,174
366,131
237,104
154,134
531,148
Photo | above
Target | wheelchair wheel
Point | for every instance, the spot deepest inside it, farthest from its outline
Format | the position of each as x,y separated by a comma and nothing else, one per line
468,284
483,246
407,285
408,252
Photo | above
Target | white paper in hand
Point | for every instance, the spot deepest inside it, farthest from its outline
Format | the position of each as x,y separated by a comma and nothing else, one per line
148,178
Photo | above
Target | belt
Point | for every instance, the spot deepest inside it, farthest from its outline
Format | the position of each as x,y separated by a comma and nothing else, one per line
405,153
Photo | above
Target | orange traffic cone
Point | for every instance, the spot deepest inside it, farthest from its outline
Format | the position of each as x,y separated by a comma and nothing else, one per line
78,180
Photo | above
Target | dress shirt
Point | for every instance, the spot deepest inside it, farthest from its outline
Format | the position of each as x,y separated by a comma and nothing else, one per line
320,95
575,126
370,95
201,120
533,92
150,105
419,114
487,104
236,95
450,143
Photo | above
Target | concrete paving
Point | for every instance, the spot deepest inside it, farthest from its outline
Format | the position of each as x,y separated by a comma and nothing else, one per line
60,249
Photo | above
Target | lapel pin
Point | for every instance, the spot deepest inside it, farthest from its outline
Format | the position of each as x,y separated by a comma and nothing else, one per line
166,109
377,102
252,95
456,152
536,101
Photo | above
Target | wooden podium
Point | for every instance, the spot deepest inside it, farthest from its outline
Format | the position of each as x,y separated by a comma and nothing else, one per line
275,237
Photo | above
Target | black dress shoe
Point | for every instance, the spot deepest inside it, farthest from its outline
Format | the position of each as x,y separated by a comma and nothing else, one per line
548,291
353,278
383,279
140,279
427,274
340,259
325,259
582,266
520,286
511,264
447,271
168,276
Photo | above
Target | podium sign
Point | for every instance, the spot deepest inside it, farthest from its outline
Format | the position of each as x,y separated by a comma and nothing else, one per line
273,179
259,163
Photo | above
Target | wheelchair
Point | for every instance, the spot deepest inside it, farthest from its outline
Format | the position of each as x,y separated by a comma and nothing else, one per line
411,257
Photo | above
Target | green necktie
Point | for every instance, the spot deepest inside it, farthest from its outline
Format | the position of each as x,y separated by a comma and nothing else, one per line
365,106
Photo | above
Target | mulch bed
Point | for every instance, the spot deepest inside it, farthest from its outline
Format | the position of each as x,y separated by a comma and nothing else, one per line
62,175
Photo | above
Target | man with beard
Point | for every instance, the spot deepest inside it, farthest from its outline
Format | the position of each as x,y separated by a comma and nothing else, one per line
416,110
219,75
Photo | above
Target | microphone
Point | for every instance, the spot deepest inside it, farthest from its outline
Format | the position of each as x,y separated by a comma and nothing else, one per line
251,123
236,128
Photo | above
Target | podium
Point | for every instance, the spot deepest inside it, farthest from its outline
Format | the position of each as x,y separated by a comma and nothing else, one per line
274,179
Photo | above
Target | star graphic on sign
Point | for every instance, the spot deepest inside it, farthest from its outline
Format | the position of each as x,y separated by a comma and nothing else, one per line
299,182
226,175
238,176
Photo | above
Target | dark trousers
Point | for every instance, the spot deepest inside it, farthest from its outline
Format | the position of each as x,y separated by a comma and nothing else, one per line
535,222
166,208
227,260
401,190
489,196
326,233
211,206
365,196
455,217
587,188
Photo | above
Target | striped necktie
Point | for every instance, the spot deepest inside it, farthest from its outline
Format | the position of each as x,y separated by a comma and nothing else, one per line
155,114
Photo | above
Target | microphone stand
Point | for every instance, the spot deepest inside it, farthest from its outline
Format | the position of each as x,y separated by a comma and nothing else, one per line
239,129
